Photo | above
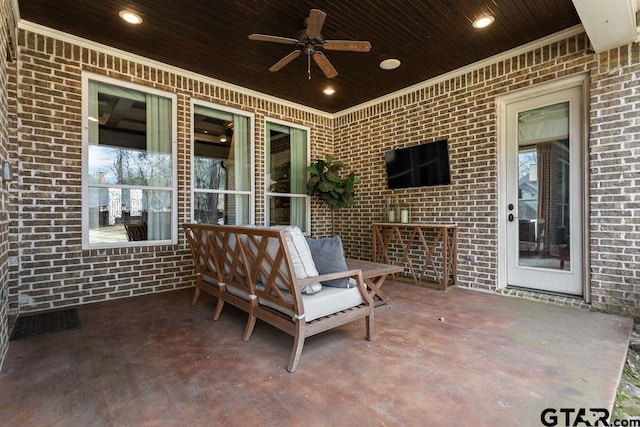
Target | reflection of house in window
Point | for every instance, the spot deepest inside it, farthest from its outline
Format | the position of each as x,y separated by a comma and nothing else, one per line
130,162
221,167
527,185
212,148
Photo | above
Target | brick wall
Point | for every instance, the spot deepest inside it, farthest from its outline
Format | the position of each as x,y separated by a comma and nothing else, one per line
51,269
6,18
614,168
462,109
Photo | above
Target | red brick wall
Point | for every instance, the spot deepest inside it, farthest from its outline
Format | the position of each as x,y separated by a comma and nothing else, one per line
52,269
614,168
462,109
7,105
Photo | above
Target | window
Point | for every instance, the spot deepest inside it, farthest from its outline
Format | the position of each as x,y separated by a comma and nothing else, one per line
287,157
129,185
222,168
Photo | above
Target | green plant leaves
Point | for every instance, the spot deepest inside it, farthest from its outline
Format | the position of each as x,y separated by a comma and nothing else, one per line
325,182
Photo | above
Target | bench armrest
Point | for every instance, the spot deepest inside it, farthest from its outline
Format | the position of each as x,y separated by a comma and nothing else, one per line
356,274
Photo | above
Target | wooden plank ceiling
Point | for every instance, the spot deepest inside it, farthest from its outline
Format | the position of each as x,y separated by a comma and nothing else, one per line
210,37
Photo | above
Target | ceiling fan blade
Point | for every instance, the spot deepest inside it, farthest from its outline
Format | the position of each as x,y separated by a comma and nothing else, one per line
274,39
284,61
349,45
325,65
315,23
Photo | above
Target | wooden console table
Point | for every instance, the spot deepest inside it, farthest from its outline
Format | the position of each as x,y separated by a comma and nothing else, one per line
446,234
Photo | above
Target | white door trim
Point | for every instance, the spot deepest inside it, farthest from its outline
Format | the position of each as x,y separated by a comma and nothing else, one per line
581,81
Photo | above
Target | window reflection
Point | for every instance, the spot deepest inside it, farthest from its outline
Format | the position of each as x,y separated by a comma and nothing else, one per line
130,165
286,162
222,167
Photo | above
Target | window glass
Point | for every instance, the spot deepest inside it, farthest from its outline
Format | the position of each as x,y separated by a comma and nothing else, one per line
286,164
130,165
222,167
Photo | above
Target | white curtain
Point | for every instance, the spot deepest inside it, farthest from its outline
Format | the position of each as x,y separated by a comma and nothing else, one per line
298,144
159,145
241,157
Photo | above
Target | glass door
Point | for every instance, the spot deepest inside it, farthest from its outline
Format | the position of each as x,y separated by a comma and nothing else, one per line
544,192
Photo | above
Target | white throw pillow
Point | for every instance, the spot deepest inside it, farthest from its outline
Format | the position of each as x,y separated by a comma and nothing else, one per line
301,259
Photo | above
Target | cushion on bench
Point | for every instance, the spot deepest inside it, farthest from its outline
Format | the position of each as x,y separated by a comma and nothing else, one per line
301,259
328,257
230,288
328,301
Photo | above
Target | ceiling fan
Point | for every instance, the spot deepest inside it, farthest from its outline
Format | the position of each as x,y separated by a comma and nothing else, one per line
310,42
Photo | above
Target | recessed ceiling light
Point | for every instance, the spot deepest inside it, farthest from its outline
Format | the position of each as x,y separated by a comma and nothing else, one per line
329,91
130,17
390,64
483,21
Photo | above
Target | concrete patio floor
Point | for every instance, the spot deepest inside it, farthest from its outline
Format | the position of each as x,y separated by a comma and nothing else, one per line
459,358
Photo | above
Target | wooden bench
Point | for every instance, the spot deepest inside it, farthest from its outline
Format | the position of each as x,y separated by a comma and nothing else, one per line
252,269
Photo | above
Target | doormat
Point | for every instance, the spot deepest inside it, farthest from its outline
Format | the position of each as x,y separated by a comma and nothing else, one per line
45,323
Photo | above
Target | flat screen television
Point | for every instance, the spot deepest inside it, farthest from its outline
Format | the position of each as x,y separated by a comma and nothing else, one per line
421,165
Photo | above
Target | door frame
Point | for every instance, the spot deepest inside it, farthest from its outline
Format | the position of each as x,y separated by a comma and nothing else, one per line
579,80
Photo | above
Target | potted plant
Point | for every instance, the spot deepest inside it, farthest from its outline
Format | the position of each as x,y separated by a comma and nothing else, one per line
326,183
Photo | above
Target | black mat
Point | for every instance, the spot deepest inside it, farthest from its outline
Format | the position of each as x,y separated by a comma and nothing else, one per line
45,323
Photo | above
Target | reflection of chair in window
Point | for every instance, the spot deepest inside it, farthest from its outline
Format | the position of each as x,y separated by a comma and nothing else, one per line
136,231
541,237
563,247
531,235
526,233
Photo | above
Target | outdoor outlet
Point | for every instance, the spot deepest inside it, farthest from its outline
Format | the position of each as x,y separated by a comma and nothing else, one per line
5,293
471,258
24,299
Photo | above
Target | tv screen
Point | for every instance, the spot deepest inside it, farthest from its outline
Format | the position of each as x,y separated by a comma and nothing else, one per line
419,166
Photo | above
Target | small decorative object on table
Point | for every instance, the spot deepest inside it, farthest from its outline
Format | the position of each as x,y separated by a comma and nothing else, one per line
391,209
404,213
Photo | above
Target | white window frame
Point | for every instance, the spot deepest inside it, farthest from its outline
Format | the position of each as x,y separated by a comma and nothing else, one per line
86,76
252,191
267,175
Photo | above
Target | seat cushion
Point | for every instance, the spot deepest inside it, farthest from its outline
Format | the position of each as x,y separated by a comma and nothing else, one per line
328,256
328,301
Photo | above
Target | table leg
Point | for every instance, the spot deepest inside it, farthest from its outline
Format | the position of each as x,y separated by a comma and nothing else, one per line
454,256
445,261
375,288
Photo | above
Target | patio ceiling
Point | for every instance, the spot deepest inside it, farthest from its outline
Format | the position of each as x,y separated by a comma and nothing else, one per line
429,38
211,38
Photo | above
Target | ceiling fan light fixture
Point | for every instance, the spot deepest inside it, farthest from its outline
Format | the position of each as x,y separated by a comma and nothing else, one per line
483,21
390,64
130,17
328,90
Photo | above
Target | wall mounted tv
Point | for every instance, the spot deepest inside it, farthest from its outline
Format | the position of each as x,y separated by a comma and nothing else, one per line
421,165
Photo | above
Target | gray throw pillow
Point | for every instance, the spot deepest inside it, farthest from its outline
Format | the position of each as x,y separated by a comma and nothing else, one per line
328,257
